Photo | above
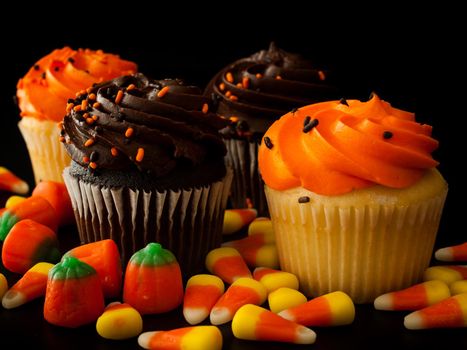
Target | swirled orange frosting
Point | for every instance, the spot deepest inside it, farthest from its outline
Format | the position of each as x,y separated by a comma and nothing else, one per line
334,147
43,92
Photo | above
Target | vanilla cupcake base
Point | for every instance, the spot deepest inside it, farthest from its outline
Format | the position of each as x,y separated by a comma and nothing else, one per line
48,155
365,243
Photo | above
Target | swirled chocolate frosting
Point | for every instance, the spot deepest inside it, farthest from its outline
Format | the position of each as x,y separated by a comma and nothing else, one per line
158,127
257,90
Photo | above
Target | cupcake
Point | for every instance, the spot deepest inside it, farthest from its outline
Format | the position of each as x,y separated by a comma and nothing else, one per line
147,166
253,92
42,98
354,196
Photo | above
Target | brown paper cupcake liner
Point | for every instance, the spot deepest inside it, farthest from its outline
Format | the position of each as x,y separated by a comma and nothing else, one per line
188,222
242,157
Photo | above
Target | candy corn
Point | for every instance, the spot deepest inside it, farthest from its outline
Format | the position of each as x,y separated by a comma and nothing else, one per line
262,226
34,208
201,293
274,279
3,285
153,280
333,309
27,244
256,251
104,257
449,313
57,195
447,274
13,200
236,219
10,182
242,291
188,338
252,322
454,253
414,298
119,321
285,298
458,287
74,294
31,286
227,263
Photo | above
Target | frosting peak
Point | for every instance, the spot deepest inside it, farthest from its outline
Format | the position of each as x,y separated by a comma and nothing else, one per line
331,148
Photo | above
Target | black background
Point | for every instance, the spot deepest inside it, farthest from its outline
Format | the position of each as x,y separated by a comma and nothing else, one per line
413,59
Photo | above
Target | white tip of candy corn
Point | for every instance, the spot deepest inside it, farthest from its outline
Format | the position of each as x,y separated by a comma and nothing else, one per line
220,315
305,336
384,302
145,338
413,321
444,254
194,315
13,299
287,315
20,188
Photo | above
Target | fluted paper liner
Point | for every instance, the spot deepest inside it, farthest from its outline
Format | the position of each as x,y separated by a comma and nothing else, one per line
188,222
242,157
365,249
48,155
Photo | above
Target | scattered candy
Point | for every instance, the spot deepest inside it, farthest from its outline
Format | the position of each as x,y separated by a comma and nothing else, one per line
458,287
10,182
236,219
27,244
275,279
454,253
34,208
74,294
447,274
449,313
413,298
104,257
333,309
201,293
13,200
252,322
285,298
262,226
256,251
242,291
153,280
119,321
31,286
3,285
57,195
227,263
188,338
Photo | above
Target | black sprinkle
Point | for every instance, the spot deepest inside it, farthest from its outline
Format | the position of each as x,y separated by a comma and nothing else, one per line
36,67
71,60
43,75
294,110
343,101
242,126
308,127
56,69
70,100
94,84
15,99
387,135
307,120
267,142
372,94
62,132
94,156
304,199
98,129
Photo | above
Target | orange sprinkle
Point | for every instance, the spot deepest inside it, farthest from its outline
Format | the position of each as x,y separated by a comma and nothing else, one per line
89,90
258,75
69,107
239,85
84,105
61,139
222,86
89,121
229,77
246,82
163,91
114,151
205,108
93,165
234,119
249,203
233,98
278,77
92,97
82,92
94,117
228,93
321,74
77,108
86,115
131,87
85,159
78,94
96,105
129,132
119,97
89,142
60,125
140,154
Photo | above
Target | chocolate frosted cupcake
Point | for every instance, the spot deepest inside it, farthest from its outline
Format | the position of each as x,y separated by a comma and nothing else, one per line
253,92
147,166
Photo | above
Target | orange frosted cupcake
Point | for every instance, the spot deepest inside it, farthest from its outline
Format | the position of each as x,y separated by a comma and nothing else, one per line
354,196
42,98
